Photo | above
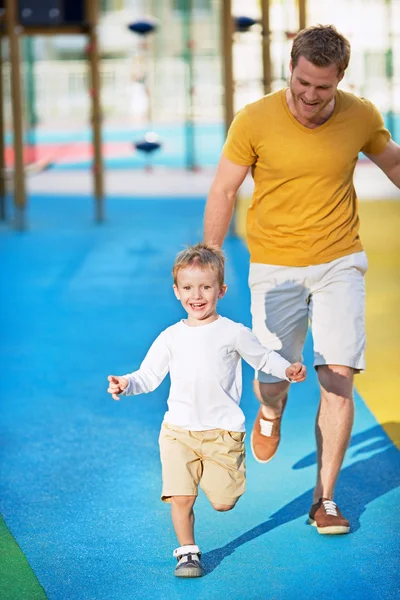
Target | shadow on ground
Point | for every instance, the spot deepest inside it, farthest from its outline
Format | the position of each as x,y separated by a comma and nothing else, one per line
360,483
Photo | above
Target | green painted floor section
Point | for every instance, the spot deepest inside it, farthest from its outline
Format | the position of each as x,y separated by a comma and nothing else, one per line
17,580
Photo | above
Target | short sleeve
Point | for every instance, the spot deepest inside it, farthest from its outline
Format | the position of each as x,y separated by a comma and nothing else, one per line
379,136
238,146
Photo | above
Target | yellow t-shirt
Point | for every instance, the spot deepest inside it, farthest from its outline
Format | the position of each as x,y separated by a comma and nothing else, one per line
304,206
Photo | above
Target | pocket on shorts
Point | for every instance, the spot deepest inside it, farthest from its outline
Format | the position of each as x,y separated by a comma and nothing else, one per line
260,273
237,436
360,261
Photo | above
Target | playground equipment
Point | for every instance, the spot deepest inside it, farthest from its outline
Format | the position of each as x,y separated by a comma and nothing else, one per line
47,18
191,51
243,24
150,143
188,58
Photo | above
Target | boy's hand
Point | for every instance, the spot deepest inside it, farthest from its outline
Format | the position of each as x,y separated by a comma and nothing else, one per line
296,372
116,385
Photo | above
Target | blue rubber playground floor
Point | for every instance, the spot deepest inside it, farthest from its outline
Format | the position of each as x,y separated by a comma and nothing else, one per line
80,474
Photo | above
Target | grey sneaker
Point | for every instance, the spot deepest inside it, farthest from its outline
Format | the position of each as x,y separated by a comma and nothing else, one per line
188,561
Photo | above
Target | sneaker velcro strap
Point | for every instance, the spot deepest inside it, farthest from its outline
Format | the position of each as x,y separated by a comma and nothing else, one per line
193,549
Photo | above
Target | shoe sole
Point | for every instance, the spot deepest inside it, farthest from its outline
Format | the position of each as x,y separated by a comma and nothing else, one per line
262,462
189,573
332,530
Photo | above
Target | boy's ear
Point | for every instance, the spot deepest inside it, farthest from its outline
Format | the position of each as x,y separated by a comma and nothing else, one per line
222,291
176,292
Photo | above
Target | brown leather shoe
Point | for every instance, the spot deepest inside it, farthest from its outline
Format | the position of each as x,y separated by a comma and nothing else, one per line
265,437
327,518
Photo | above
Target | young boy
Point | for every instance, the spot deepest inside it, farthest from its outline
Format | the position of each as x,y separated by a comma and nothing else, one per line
202,435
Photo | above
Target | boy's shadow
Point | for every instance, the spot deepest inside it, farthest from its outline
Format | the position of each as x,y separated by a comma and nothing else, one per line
360,483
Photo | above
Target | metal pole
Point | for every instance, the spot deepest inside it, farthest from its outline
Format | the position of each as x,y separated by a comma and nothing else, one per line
14,32
3,188
96,118
227,61
389,66
302,14
30,98
266,50
189,81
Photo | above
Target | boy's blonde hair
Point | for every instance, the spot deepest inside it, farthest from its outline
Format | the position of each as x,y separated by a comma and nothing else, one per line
203,256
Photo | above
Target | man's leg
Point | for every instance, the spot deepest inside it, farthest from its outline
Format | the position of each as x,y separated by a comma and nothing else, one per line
332,429
337,305
333,426
272,396
279,308
266,432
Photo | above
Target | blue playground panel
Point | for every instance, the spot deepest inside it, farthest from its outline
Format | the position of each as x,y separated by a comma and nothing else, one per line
80,480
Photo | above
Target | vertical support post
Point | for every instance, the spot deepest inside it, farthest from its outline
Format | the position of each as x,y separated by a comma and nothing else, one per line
3,187
389,66
189,83
30,98
302,14
96,117
13,32
266,50
227,42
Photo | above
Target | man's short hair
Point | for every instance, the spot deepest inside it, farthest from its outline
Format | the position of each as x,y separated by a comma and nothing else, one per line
203,256
321,45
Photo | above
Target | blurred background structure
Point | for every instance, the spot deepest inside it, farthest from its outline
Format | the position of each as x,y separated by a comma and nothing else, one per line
179,77
118,110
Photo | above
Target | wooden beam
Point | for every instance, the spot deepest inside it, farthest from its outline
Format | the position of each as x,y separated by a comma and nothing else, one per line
227,66
302,14
96,116
266,48
53,30
13,33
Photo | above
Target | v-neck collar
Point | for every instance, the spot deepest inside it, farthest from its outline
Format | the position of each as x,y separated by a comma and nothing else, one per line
303,128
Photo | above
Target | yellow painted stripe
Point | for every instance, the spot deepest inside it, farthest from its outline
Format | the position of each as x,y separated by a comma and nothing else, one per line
379,386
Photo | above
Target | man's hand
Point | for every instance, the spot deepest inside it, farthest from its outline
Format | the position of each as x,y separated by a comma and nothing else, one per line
296,372
116,385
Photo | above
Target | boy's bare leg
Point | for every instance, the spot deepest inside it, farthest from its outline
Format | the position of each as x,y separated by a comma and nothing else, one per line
222,507
183,518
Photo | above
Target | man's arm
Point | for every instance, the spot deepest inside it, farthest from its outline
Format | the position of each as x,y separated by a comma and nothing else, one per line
221,200
389,161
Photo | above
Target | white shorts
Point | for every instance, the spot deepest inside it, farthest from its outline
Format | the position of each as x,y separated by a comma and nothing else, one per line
331,296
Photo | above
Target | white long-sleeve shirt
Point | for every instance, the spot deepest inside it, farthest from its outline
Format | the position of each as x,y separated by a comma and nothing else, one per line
206,372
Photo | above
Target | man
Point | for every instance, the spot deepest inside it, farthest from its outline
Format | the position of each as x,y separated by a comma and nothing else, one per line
306,257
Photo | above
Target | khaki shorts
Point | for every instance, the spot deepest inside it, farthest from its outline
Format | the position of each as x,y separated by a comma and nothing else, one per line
215,459
330,295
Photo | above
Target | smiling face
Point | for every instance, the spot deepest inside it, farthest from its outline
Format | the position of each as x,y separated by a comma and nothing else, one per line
311,97
199,290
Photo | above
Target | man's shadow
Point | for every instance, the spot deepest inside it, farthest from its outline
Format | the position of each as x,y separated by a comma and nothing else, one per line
359,484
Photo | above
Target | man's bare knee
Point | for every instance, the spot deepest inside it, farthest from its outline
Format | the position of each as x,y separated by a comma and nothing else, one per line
336,380
222,507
